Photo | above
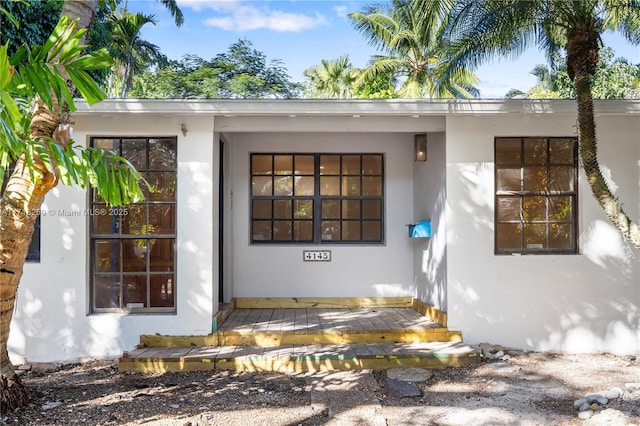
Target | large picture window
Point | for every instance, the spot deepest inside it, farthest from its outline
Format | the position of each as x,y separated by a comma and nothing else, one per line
317,198
536,195
133,262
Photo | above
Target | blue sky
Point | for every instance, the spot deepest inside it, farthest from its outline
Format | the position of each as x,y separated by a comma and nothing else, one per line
301,33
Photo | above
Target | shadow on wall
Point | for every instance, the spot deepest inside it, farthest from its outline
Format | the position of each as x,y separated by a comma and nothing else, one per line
577,303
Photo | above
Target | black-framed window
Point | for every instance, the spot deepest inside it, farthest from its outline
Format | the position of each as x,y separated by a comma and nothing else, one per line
317,198
133,254
33,255
536,195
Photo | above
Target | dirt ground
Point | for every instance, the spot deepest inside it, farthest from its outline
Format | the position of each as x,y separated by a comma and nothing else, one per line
527,389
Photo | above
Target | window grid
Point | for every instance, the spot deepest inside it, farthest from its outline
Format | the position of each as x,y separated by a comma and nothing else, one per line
536,195
133,247
345,180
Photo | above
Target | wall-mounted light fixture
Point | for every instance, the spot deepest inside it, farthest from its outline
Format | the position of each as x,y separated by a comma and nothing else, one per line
420,153
183,127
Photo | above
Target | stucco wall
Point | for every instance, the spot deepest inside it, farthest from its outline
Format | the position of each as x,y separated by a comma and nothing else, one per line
52,321
355,270
429,193
584,302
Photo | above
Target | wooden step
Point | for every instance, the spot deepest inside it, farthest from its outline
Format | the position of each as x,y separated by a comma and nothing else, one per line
300,358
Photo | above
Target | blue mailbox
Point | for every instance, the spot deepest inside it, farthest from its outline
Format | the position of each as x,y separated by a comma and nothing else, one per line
420,229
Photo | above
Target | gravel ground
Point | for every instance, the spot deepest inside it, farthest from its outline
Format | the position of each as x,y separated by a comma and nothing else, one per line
537,388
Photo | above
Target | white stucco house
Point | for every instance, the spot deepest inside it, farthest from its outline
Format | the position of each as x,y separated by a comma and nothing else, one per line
246,193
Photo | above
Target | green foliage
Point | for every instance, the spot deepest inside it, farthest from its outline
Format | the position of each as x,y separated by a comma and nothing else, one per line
37,72
36,19
241,72
412,34
613,79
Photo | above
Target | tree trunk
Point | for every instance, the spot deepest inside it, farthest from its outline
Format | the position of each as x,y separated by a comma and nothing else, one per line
589,158
20,203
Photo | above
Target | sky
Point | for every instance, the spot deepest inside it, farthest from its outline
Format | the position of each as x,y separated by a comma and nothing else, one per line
303,32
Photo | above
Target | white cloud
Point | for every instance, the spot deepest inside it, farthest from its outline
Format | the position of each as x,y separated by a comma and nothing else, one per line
239,15
342,11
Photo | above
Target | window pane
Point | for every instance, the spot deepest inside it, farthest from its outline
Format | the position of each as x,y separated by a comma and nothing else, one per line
135,291
283,186
135,150
351,165
560,209
261,209
330,230
535,151
351,230
562,151
535,236
561,179
560,236
161,255
350,209
163,186
329,164
107,255
305,165
162,291
508,179
330,209
135,254
508,209
508,151
108,144
303,209
351,186
304,186
261,185
329,185
283,165
282,230
371,209
106,291
162,154
261,165
372,165
372,230
535,179
371,186
261,230
102,223
534,209
162,219
282,209
303,230
508,236
135,221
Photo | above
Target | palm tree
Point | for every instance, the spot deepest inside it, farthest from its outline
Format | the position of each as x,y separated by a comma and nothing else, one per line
332,78
411,32
36,89
129,50
483,29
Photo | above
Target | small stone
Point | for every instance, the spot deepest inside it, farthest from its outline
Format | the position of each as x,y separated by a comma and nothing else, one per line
24,367
45,367
174,406
597,398
614,393
584,406
584,415
20,372
498,355
401,388
49,405
580,402
506,357
503,367
631,387
409,374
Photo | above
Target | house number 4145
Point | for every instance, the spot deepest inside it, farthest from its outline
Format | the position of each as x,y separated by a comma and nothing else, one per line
316,255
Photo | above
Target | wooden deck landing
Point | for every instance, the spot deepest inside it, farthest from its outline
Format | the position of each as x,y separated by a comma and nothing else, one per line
307,339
